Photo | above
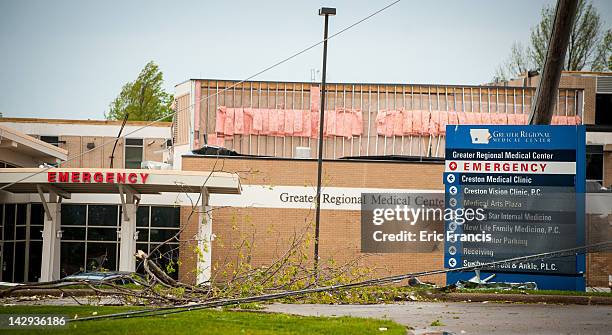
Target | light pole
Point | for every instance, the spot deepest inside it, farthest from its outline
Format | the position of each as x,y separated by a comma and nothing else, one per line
327,12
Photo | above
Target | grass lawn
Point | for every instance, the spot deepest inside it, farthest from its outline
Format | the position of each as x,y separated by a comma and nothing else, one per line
203,322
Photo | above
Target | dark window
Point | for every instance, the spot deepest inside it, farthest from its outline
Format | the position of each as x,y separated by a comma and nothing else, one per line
35,259
51,140
6,165
594,166
72,258
70,233
36,232
102,215
603,109
37,214
143,235
133,141
161,235
167,258
133,153
9,222
165,217
21,214
19,262
73,215
102,234
102,256
20,233
142,216
7,261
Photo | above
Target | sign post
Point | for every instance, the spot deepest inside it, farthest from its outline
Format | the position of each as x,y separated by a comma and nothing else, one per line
530,181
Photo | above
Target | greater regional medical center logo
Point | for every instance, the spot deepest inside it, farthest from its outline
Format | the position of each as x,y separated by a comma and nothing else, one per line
480,136
485,136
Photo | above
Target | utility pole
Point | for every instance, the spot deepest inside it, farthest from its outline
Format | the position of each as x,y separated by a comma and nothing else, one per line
327,12
546,93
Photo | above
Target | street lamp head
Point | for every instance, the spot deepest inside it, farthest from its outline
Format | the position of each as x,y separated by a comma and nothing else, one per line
324,11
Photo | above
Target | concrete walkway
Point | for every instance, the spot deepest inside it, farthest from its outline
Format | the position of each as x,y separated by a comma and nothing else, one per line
474,318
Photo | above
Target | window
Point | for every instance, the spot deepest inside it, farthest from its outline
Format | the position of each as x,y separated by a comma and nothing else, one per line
37,213
14,226
594,163
54,140
603,109
89,239
6,165
156,225
133,153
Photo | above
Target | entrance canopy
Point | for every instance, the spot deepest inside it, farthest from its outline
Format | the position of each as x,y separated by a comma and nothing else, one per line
67,180
54,184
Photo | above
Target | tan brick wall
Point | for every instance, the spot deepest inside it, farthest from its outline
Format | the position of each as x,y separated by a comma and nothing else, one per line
153,149
272,230
118,160
100,157
187,246
570,81
588,84
607,173
73,145
599,264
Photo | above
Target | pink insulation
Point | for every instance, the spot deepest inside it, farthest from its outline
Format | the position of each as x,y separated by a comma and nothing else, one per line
499,119
220,120
257,120
443,123
239,121
357,124
228,128
289,122
380,122
486,118
398,123
315,98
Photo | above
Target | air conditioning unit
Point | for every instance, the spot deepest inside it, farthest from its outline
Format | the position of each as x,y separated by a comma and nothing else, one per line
302,152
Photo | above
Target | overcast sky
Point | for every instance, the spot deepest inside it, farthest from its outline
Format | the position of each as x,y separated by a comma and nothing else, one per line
69,59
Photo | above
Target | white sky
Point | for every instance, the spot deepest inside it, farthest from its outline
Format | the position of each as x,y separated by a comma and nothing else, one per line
69,59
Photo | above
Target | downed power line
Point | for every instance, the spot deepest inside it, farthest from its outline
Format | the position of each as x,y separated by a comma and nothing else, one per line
383,280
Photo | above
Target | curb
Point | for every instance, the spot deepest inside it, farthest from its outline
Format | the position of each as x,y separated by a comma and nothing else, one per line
523,298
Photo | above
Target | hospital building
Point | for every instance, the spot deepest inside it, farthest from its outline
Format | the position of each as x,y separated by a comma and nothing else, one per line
109,197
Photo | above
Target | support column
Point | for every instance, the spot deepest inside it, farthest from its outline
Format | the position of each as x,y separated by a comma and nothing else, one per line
127,243
50,262
204,263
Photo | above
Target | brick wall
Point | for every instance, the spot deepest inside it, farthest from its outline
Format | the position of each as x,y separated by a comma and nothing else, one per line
100,157
272,229
569,81
607,167
187,246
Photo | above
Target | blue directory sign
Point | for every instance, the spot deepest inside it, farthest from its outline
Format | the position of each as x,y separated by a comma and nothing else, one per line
529,183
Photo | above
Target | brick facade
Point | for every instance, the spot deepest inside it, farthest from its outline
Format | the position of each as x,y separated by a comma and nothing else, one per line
272,229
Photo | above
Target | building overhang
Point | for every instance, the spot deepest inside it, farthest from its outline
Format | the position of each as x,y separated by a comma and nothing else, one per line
30,147
65,181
